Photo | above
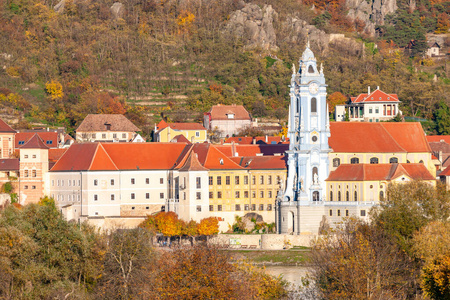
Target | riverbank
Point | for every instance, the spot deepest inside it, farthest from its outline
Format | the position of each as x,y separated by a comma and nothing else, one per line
291,257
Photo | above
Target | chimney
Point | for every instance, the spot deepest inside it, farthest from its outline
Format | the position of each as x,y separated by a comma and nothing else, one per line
253,140
267,139
440,156
368,90
378,87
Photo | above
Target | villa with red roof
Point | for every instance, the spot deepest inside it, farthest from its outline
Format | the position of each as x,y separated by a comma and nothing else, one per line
227,119
374,106
173,132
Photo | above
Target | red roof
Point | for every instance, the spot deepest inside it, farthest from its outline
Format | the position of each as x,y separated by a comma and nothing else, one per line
120,156
221,112
262,162
446,172
438,138
35,142
180,139
192,164
56,153
253,150
366,137
9,164
106,122
242,140
50,138
375,172
210,157
375,96
5,127
161,125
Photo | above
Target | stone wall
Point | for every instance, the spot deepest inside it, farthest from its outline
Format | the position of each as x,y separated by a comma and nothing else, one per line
263,241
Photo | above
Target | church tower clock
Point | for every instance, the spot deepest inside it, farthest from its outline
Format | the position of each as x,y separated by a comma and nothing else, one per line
307,157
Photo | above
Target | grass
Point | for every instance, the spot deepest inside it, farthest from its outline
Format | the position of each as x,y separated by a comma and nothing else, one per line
279,257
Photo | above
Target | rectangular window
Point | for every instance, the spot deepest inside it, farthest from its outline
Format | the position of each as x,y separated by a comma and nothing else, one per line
62,182
25,172
133,196
103,135
219,180
93,135
246,207
253,180
53,182
33,187
245,179
211,208
339,212
197,133
269,207
346,212
95,197
219,195
161,180
210,180
211,195
237,207
124,135
363,213
198,182
112,196
219,207
69,182
34,155
25,156
79,182
236,180
261,194
269,194
253,194
114,135
253,207
331,212
261,179
269,179
227,180
95,182
377,110
261,207
198,196
161,195
237,194
133,181
370,110
199,208
278,179
245,194
147,195
26,187
147,180
112,181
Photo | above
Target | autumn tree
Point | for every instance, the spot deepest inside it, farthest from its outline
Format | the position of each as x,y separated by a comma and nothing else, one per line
334,99
208,226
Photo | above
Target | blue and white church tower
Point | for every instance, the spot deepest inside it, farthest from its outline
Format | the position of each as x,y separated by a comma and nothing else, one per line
300,207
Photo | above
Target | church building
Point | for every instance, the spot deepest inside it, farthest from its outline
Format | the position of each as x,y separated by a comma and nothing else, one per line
341,169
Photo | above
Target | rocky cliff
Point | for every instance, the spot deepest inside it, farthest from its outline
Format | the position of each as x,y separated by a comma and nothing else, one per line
372,12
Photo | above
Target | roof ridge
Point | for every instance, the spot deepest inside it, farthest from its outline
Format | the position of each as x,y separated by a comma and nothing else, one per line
93,156
387,131
107,154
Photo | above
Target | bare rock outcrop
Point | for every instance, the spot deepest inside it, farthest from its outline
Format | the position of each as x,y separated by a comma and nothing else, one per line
254,25
373,13
117,10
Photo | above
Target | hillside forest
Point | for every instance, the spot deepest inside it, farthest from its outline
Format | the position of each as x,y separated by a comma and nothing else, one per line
175,59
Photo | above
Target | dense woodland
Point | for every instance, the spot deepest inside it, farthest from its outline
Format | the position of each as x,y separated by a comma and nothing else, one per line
175,59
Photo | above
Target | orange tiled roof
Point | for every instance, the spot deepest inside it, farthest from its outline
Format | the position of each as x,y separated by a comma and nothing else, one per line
180,139
50,138
35,142
365,137
120,156
375,96
192,164
212,158
54,154
375,172
5,127
262,162
253,150
438,138
446,172
221,112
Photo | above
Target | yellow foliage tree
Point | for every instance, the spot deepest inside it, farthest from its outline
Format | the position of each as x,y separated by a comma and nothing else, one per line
334,99
54,89
208,226
185,20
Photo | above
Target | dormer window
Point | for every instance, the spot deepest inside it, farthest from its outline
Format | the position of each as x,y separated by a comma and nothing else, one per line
221,161
230,116
108,126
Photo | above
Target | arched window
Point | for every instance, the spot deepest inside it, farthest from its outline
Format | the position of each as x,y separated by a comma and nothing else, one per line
421,162
313,105
347,196
356,196
336,162
407,161
381,195
331,195
310,69
315,196
339,196
354,160
374,160
393,160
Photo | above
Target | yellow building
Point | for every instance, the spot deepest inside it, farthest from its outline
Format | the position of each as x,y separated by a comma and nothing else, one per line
192,132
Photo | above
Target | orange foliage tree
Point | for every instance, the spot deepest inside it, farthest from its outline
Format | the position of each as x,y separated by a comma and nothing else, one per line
208,226
334,99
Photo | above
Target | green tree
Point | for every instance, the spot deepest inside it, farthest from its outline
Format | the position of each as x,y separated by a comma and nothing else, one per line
442,119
